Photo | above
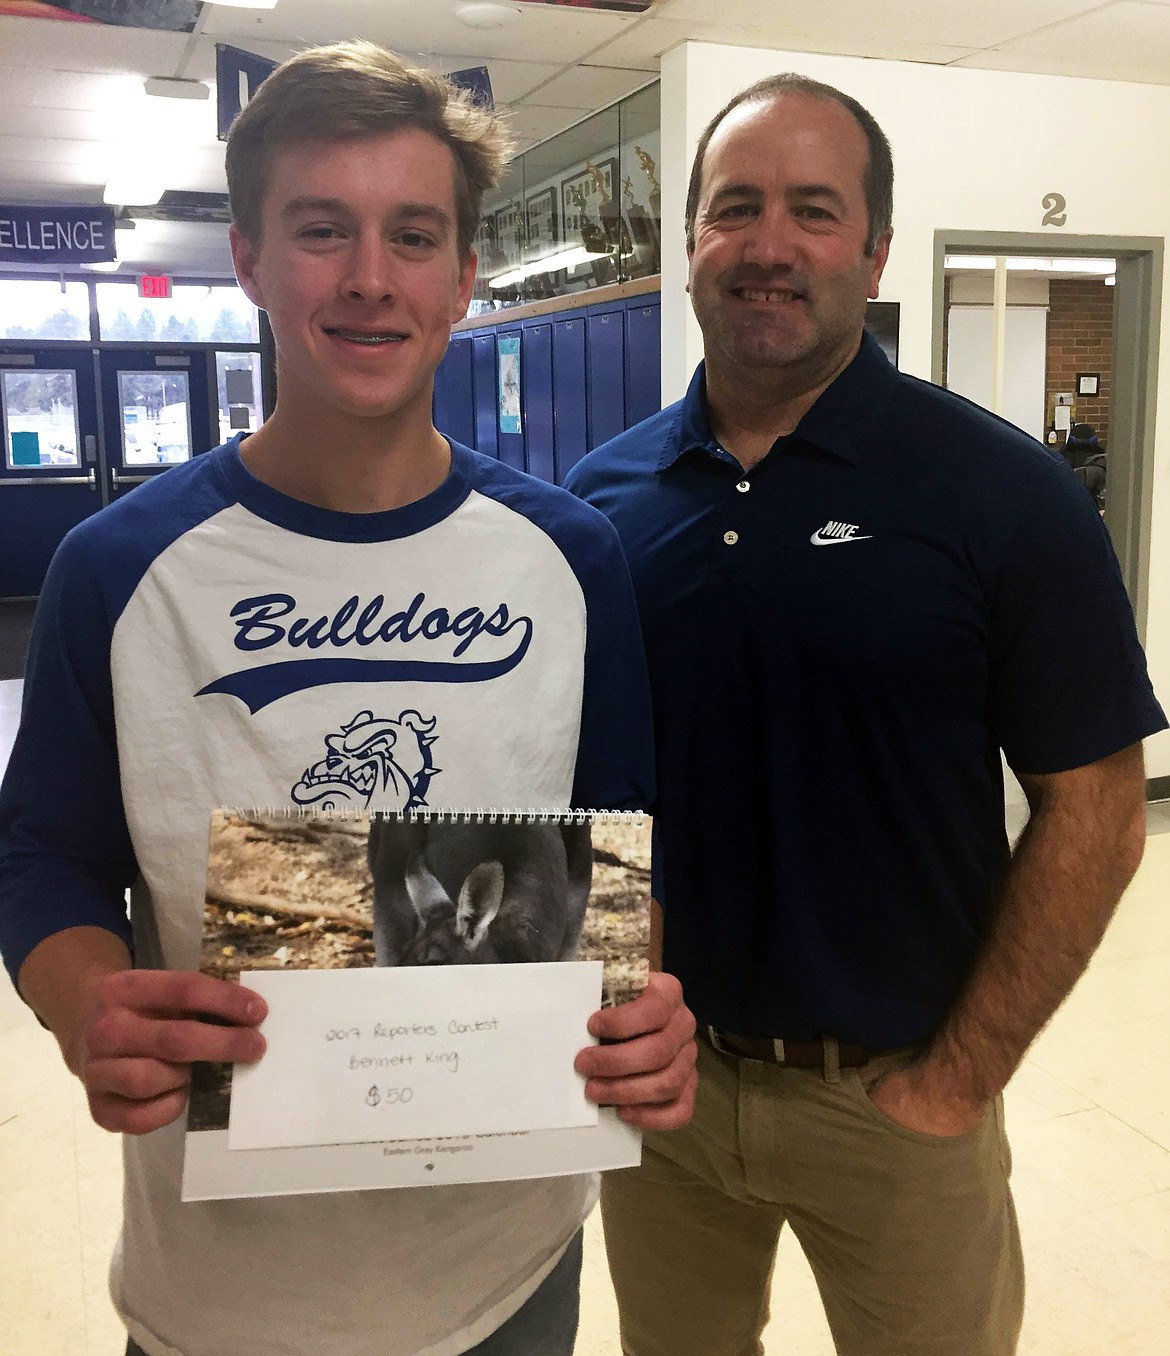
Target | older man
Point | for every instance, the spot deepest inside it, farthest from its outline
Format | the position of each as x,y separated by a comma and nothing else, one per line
855,590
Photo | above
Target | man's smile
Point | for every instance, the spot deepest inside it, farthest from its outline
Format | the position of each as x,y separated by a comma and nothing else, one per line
769,294
367,337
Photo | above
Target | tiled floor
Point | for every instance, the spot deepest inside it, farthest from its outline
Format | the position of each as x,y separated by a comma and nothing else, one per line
1089,1115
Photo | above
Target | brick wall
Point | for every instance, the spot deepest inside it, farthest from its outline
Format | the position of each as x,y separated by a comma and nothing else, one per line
1080,339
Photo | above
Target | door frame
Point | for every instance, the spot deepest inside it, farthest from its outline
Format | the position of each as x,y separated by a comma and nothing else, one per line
76,490
191,360
1137,308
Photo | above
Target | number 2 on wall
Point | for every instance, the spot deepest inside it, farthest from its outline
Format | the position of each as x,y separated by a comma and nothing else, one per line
1055,215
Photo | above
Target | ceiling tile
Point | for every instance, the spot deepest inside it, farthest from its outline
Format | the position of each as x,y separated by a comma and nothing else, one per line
72,124
96,156
543,33
827,24
536,121
86,154
203,249
1128,41
645,44
46,181
511,80
39,87
89,47
642,45
586,88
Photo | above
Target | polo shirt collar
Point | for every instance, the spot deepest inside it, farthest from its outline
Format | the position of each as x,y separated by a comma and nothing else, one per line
842,422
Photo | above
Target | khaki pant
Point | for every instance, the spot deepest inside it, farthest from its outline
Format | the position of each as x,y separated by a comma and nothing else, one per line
912,1238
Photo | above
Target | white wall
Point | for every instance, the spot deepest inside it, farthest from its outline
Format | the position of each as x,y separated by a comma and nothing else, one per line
973,150
971,362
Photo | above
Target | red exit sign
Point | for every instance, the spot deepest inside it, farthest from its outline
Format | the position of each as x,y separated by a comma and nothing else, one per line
157,286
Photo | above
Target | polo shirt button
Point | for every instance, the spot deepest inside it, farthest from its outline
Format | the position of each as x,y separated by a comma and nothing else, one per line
731,538
744,486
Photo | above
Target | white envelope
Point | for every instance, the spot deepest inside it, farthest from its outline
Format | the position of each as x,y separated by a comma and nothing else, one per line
396,1053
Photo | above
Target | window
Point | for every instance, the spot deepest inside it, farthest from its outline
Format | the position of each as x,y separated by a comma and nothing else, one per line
192,314
38,308
40,418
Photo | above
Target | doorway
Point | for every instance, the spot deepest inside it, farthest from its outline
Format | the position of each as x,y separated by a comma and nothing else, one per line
81,428
1137,295
102,389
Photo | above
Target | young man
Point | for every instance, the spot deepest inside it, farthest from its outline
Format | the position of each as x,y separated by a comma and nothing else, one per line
345,606
855,590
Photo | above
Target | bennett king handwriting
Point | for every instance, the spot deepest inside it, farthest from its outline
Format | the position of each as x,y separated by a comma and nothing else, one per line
446,1059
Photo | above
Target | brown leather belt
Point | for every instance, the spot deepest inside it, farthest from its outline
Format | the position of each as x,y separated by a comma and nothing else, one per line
808,1055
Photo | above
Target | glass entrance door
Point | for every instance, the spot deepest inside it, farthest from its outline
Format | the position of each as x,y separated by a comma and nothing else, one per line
157,410
49,461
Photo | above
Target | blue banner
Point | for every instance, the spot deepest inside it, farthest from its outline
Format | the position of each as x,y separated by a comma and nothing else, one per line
56,235
477,82
238,75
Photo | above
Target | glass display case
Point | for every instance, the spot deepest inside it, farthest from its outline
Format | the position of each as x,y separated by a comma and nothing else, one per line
578,211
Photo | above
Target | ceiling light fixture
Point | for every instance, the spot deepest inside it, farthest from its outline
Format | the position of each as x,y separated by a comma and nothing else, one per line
1033,264
488,16
167,87
550,264
128,186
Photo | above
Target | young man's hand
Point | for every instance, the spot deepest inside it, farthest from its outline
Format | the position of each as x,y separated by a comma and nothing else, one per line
144,1030
649,1074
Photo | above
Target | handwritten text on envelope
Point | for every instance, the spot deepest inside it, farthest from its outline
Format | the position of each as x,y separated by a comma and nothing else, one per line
415,1052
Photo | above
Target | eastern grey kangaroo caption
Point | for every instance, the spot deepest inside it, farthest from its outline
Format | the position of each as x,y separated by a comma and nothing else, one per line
451,893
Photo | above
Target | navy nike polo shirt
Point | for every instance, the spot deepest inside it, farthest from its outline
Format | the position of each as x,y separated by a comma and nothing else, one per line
840,642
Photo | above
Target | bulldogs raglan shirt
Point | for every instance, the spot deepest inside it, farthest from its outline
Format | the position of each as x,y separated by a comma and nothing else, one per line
208,641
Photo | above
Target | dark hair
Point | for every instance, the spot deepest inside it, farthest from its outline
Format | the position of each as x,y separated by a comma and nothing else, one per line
879,172
351,90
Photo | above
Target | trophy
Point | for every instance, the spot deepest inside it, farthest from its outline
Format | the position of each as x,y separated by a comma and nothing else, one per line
644,226
593,237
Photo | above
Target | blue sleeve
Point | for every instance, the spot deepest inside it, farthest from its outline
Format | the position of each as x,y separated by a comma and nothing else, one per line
615,753
615,756
1068,677
65,854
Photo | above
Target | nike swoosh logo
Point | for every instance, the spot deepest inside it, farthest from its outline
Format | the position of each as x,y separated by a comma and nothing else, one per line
818,540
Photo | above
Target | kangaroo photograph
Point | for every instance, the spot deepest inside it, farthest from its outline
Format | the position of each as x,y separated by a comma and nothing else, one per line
303,892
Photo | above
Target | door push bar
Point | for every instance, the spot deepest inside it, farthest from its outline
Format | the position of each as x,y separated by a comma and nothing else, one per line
43,481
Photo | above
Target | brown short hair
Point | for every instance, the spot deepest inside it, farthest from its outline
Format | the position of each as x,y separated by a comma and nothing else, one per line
350,90
879,173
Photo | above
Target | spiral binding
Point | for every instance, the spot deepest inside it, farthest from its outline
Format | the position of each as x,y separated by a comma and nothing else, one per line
427,815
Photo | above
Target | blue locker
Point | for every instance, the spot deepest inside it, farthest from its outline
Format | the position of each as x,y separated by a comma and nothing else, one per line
605,363
536,383
643,361
510,446
454,403
570,414
487,425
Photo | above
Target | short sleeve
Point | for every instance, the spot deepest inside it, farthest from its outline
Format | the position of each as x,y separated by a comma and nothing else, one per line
1068,679
615,756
